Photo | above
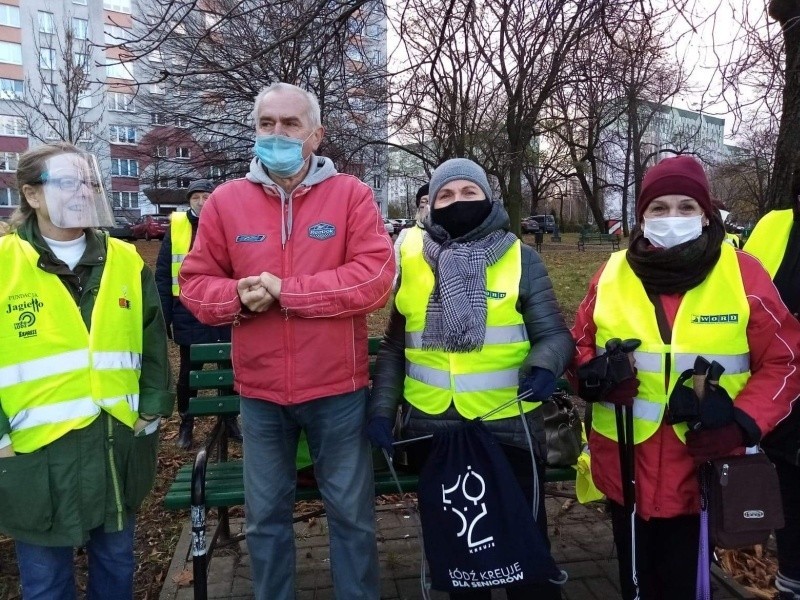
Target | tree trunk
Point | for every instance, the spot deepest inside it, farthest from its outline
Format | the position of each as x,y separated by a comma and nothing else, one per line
787,147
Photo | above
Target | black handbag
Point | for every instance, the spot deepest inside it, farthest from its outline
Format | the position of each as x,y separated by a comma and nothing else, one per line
744,500
562,426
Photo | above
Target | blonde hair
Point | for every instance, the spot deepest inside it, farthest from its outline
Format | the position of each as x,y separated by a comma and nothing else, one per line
30,168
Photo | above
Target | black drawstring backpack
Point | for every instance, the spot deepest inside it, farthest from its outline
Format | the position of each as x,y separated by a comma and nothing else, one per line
478,528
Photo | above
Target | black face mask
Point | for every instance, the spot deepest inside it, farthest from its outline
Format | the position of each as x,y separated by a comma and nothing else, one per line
459,218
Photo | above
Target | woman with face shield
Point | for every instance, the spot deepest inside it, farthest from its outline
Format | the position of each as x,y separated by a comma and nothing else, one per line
683,294
83,379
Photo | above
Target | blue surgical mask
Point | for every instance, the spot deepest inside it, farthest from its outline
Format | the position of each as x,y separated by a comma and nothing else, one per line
280,154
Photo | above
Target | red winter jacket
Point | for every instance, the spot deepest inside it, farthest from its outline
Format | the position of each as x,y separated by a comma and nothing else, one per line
327,243
666,478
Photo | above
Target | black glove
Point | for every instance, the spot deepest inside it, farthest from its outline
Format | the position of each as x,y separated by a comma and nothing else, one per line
379,432
716,409
540,382
598,376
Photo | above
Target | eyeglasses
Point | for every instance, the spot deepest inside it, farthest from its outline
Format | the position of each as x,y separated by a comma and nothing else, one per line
72,184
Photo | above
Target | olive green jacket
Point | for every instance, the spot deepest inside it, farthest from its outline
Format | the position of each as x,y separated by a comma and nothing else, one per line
98,475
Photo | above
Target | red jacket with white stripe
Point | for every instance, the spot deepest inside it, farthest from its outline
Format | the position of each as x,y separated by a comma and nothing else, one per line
328,244
666,478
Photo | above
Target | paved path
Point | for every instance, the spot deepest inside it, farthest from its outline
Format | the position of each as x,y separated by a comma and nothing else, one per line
581,538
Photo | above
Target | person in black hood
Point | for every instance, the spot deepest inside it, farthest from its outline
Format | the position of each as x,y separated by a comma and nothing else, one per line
470,293
184,328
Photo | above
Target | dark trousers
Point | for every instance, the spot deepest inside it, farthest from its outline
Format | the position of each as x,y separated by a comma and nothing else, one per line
788,538
666,555
182,390
520,461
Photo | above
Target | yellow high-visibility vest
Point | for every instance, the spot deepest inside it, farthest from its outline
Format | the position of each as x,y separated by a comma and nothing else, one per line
180,231
711,322
55,376
733,240
769,239
476,382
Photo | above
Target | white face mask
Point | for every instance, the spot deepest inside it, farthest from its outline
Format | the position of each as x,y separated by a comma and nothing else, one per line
667,232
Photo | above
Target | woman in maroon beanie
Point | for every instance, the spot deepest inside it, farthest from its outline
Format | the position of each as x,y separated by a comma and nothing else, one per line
684,294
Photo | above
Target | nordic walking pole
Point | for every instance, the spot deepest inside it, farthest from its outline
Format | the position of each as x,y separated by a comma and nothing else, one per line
621,367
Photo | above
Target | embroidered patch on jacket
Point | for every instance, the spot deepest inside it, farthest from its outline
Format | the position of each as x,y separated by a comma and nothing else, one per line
251,238
321,231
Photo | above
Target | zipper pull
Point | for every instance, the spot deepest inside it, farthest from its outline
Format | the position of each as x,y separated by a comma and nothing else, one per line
723,478
237,319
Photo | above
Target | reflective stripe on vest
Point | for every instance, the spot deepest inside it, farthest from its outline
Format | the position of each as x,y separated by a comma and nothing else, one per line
55,376
711,322
769,239
476,382
180,231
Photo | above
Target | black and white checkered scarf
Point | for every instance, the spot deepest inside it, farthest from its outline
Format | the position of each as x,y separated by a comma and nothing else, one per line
456,317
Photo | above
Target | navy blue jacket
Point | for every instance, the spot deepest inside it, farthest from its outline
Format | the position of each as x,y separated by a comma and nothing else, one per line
185,328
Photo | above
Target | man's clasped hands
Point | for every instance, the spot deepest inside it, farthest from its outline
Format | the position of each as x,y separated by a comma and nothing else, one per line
258,292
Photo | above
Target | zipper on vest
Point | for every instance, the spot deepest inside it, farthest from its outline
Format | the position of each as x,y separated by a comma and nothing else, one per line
114,474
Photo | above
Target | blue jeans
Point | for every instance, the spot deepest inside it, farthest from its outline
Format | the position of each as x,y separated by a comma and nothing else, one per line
342,459
47,573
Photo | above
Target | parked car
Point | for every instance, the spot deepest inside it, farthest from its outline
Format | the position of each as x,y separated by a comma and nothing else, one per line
389,226
123,229
547,223
150,227
529,225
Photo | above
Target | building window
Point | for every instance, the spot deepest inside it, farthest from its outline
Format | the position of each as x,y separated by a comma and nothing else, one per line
182,183
116,36
215,172
124,200
122,134
376,182
47,58
85,99
86,132
182,152
11,89
9,15
120,70
162,151
13,126
124,167
157,88
11,53
80,28
8,161
158,118
47,24
49,93
81,61
162,182
118,101
9,197
123,6
181,122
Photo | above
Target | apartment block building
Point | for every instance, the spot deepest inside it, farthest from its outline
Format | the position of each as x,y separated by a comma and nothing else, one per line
65,74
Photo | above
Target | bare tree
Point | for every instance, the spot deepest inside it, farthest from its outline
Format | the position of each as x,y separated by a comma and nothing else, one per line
207,66
761,76
62,97
742,180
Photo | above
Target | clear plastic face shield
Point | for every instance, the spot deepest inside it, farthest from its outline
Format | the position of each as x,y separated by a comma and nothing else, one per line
74,194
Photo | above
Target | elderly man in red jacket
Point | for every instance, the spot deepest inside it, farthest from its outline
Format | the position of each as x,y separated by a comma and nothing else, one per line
295,255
